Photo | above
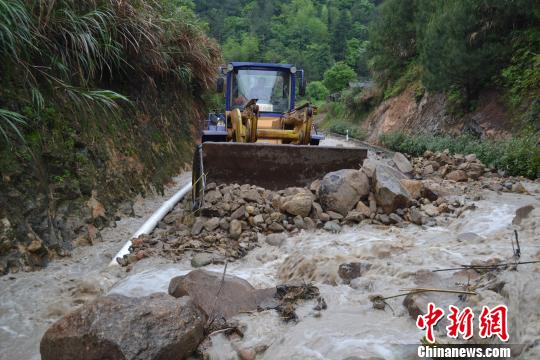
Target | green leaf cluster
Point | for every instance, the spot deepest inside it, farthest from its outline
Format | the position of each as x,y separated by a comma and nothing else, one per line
338,77
317,91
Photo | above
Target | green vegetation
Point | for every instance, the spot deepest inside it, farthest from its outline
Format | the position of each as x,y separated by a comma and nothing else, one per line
338,77
344,128
68,52
99,96
457,46
317,91
411,75
462,47
9,124
347,114
516,156
312,34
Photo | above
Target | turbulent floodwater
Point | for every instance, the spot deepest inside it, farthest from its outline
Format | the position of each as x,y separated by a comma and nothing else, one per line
350,326
30,302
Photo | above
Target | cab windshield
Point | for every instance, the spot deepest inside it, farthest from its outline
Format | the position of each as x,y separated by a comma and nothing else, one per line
271,88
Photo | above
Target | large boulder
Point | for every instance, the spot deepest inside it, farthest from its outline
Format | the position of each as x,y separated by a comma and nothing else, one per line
119,327
368,167
414,187
402,163
457,175
236,294
390,194
341,190
297,204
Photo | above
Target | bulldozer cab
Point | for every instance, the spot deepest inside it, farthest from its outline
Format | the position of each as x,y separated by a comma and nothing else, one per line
273,87
260,94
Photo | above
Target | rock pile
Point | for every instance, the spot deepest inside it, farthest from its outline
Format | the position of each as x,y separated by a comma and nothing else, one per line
465,171
235,218
451,167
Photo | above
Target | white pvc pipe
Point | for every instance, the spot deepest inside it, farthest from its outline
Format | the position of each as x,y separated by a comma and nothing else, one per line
152,221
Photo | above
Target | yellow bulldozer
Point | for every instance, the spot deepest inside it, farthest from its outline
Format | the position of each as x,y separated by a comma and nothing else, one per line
262,138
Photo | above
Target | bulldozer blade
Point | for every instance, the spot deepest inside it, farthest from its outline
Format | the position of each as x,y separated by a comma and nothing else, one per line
273,166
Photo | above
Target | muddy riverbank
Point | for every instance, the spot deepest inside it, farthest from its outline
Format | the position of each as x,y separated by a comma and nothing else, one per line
32,301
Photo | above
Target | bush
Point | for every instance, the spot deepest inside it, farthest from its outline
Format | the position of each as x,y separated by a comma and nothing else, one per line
522,77
317,91
519,156
411,75
338,76
335,111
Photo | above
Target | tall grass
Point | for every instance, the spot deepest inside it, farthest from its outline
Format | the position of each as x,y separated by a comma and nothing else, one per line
72,51
10,122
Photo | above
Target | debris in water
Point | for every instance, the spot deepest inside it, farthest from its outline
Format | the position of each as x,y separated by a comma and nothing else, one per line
378,302
289,295
516,250
485,268
321,304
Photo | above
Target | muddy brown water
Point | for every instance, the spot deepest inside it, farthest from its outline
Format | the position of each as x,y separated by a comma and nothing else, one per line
350,326
30,302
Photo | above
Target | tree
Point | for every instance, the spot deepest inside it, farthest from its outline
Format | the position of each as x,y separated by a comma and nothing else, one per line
392,40
316,59
340,24
247,49
338,77
457,46
311,34
465,43
356,55
317,91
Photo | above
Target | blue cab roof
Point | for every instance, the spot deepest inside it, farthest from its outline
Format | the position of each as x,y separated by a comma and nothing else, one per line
263,65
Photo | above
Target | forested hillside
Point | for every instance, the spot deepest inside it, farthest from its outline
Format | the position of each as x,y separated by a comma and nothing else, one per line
468,69
457,47
312,34
460,47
